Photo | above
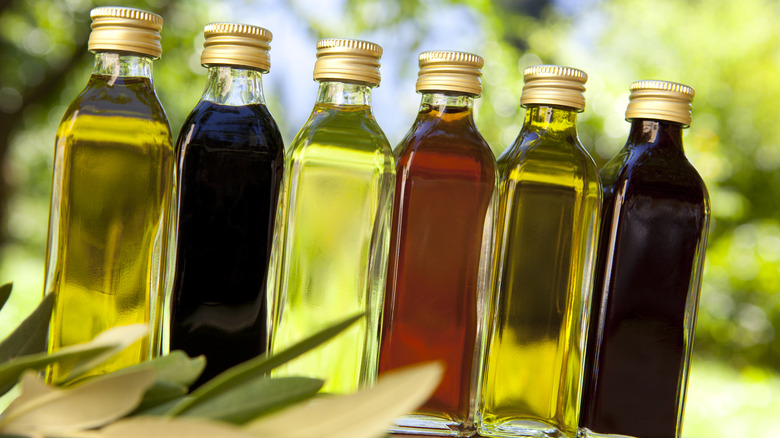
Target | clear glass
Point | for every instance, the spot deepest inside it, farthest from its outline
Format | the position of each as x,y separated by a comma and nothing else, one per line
440,260
230,158
331,241
112,186
548,215
648,279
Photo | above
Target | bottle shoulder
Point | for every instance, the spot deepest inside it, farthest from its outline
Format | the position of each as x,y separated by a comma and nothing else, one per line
532,153
101,111
445,138
335,128
647,170
122,96
221,127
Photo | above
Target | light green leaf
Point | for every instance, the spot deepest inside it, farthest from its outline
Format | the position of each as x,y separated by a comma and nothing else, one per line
159,393
159,410
118,338
5,292
241,373
254,398
174,373
96,351
47,410
363,414
156,427
11,371
175,367
30,336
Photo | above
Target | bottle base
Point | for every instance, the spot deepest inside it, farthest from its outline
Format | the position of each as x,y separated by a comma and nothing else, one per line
587,433
522,428
418,424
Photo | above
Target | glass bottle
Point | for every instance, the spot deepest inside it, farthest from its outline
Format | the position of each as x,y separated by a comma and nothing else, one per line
548,216
112,185
230,158
653,236
330,253
439,266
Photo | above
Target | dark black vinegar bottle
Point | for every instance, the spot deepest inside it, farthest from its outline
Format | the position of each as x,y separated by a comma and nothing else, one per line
648,274
230,161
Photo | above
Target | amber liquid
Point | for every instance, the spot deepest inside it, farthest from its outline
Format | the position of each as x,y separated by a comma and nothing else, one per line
231,160
443,202
113,172
647,283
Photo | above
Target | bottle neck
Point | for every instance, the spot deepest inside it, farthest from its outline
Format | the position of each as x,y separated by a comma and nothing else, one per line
551,120
118,65
235,86
656,133
332,93
436,104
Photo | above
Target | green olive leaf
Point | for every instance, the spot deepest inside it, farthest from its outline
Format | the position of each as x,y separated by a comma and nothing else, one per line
159,427
117,338
174,373
87,354
241,373
30,336
159,393
5,292
175,367
11,371
254,398
43,409
363,414
158,410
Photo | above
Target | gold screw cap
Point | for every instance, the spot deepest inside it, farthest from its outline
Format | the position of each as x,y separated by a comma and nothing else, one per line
660,100
125,30
348,60
241,45
450,71
554,85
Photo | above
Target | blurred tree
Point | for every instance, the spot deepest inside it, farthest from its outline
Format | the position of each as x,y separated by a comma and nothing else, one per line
728,52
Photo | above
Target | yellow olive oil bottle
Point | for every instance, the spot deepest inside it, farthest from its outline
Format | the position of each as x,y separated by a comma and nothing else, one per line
111,189
548,216
332,233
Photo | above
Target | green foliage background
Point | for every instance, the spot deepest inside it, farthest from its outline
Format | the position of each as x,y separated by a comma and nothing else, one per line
728,51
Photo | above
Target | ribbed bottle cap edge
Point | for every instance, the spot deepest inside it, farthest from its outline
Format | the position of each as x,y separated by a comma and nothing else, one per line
450,71
661,100
236,44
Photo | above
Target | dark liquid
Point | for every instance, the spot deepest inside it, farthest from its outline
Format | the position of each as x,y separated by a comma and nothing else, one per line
444,187
230,161
636,359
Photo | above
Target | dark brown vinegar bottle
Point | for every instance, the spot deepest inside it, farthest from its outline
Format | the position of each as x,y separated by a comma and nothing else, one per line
648,274
439,261
230,169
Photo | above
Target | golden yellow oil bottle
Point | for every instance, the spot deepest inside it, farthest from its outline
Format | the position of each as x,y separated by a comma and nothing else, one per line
111,190
548,216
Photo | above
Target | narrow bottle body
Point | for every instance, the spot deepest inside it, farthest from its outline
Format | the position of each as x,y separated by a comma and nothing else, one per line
550,197
230,169
653,238
440,261
108,225
330,253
